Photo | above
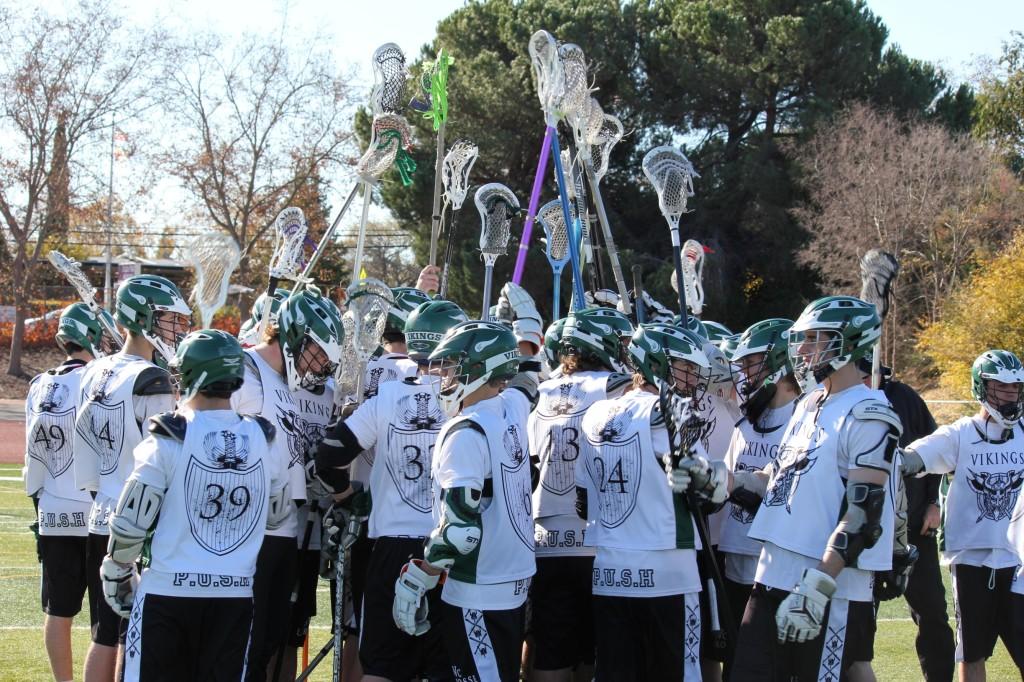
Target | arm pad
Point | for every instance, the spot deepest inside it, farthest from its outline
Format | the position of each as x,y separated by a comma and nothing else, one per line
460,529
861,526
136,514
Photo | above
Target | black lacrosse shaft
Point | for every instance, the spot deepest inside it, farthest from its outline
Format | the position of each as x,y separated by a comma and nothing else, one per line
677,262
449,251
316,661
638,295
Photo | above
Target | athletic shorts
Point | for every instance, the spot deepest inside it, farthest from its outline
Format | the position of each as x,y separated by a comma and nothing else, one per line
647,639
847,637
561,612
308,567
359,560
1017,652
384,650
981,599
64,580
107,627
484,645
187,638
271,590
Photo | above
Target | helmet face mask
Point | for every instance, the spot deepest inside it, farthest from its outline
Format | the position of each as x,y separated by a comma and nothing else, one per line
468,357
762,359
663,354
689,379
310,335
997,383
153,307
831,333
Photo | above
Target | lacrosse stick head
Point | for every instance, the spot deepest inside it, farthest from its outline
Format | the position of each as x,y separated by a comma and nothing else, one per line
214,256
878,271
289,238
547,73
601,144
72,270
671,174
575,99
568,179
369,300
497,206
693,275
455,169
556,232
389,144
590,123
389,76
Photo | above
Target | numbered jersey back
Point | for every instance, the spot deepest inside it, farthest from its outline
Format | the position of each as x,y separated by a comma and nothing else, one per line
50,411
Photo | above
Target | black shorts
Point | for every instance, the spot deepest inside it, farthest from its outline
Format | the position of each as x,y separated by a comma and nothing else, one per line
187,638
271,590
981,598
308,567
1017,652
384,650
562,613
714,644
64,580
107,627
484,645
647,639
358,563
847,637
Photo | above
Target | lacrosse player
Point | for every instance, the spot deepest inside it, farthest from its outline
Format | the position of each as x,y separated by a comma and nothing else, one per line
645,579
983,454
810,614
288,382
61,508
483,536
560,596
401,421
249,331
206,485
119,393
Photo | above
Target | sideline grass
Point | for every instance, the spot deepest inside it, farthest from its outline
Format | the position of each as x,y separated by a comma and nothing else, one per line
22,656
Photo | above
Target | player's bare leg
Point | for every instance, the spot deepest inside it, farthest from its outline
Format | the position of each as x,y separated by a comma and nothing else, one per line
57,637
100,662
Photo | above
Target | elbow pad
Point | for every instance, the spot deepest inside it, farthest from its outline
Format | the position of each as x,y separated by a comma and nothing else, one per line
581,502
279,508
880,455
460,530
861,526
913,465
136,514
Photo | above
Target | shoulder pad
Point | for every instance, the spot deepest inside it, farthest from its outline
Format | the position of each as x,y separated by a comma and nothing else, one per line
466,423
250,364
616,382
169,425
152,381
268,428
874,409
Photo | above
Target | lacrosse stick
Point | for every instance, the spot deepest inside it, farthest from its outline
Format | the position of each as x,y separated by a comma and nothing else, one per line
368,303
71,269
693,276
578,204
307,272
389,76
290,236
638,295
497,206
214,256
550,218
390,144
671,174
435,85
458,163
878,271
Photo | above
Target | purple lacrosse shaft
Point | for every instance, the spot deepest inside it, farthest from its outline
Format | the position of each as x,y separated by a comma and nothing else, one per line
531,210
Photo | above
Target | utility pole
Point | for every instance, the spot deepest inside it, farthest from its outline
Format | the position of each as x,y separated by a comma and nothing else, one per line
108,295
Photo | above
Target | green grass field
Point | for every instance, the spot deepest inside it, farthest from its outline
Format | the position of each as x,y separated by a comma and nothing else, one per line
22,656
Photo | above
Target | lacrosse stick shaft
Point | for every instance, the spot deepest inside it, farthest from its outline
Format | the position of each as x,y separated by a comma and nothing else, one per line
357,264
308,270
339,598
435,221
586,249
638,292
677,262
449,251
485,311
321,655
531,209
268,306
574,256
609,241
556,296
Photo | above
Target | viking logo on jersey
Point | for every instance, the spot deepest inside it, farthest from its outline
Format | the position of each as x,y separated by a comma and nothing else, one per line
518,495
791,466
513,445
736,511
99,392
53,398
569,396
613,427
302,434
422,416
375,380
996,493
225,497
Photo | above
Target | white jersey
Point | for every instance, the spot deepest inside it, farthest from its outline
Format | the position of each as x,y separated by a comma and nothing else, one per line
379,370
987,475
402,421
720,416
752,448
1015,538
554,428
300,419
109,425
218,483
485,447
50,411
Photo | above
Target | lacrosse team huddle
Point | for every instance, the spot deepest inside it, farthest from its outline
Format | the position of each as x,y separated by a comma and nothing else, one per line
620,493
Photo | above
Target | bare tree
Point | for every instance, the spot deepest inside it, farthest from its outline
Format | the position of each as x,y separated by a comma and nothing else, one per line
62,81
910,188
254,125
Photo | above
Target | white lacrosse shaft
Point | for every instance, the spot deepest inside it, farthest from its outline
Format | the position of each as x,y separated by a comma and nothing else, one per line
328,234
73,272
609,240
357,263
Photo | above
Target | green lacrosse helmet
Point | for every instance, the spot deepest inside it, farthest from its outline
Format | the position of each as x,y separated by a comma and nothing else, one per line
553,343
589,335
470,355
654,346
210,360
139,299
407,300
728,345
1004,366
851,326
78,325
247,332
770,339
716,331
305,320
693,324
427,325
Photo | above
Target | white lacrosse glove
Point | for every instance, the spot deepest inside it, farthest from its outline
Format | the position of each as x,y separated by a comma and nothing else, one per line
801,614
342,524
656,312
709,481
410,606
602,297
678,477
119,584
527,325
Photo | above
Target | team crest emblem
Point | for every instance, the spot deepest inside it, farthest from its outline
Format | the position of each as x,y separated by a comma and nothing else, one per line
409,453
996,493
615,470
565,401
99,392
48,438
513,444
53,397
302,434
612,428
102,427
374,380
783,487
426,414
224,504
558,467
226,449
515,482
